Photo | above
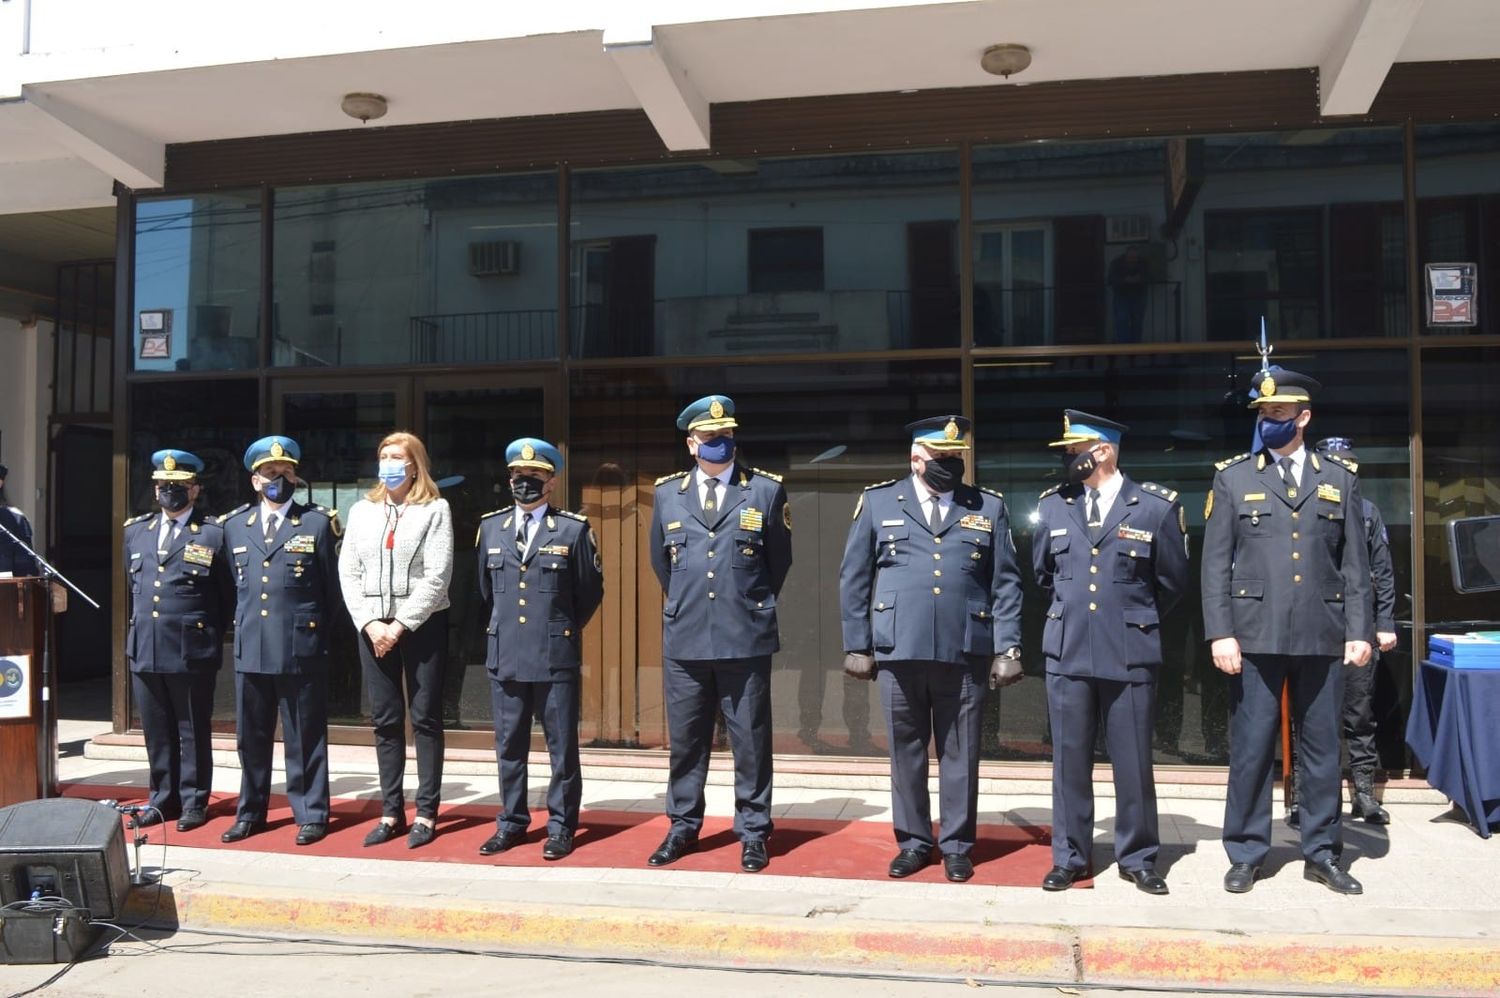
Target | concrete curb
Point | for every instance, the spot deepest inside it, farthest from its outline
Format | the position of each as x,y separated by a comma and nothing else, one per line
1051,954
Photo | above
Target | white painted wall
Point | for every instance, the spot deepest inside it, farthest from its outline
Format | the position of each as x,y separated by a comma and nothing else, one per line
25,398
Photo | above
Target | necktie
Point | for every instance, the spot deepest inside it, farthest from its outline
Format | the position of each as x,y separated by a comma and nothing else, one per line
1289,473
934,515
270,526
522,529
709,505
1095,519
168,532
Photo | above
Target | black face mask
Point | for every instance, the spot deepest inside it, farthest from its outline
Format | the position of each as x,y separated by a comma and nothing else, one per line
1077,467
173,498
278,490
527,489
944,473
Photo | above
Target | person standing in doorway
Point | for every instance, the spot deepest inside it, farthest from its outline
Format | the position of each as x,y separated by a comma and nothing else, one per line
394,569
721,547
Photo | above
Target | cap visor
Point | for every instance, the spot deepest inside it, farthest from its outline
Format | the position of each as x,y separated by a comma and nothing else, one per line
725,423
537,465
1072,438
173,476
1268,399
957,445
268,459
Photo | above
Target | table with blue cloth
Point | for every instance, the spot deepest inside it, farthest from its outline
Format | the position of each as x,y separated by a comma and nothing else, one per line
1454,731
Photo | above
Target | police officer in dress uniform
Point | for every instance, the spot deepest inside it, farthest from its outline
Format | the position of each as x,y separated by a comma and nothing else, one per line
721,546
285,560
540,572
181,595
1359,683
1286,599
1110,555
930,598
13,558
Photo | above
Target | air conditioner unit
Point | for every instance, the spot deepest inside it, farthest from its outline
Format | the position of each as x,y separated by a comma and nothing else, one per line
1127,229
492,259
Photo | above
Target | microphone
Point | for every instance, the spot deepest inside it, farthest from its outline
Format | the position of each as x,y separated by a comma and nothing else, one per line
126,808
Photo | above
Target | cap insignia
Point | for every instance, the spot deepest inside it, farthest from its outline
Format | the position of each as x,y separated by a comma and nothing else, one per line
527,452
1067,426
716,409
950,432
169,463
1267,386
276,448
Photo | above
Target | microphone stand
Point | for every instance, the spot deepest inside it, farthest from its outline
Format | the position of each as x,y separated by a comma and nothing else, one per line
48,574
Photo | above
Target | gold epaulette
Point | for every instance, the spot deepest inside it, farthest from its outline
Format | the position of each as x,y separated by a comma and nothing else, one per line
1230,461
139,519
1055,489
1352,466
664,479
994,492
333,518
768,474
495,512
881,485
233,512
1169,495
571,515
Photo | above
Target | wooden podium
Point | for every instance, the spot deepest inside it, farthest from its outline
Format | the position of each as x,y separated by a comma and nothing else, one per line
27,746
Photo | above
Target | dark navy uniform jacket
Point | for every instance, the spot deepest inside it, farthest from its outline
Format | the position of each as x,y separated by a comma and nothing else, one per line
288,590
180,601
1286,574
1106,599
12,558
539,604
910,594
721,571
1382,572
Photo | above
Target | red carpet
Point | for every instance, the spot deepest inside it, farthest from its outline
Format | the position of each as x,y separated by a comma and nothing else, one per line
1005,855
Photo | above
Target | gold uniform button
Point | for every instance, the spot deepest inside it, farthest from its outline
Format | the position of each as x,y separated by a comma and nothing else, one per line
880,606
1296,555
937,540
1296,578
936,556
760,606
1132,552
312,625
712,596
154,613
1296,536
523,620
1093,588
710,533
1095,551
264,596
710,554
1093,569
567,633
936,591
1242,592
522,585
156,599
521,601
1296,515
265,564
890,537
200,625
161,568
265,613
158,583
1093,607
710,575
265,578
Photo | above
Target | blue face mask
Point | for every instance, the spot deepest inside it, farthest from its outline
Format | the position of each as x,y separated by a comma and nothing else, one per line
392,472
716,451
277,490
1277,433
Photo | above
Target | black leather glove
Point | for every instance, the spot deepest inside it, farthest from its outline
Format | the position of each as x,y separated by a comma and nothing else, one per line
858,665
1005,670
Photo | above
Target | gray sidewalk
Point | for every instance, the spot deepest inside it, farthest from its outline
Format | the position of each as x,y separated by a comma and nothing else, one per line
1428,922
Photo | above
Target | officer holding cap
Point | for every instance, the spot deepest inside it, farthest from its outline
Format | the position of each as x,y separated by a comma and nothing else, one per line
1286,601
285,562
1110,556
539,571
181,595
721,546
930,597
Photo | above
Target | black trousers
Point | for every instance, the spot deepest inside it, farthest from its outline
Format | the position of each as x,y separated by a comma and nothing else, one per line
1077,705
941,702
1359,716
176,716
694,690
515,704
1316,686
419,659
302,700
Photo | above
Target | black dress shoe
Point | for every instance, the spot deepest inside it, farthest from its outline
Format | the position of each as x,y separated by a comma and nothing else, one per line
957,867
909,861
558,845
421,833
1240,878
1147,880
147,818
242,830
192,818
672,848
501,841
313,831
753,856
1330,876
1060,878
383,832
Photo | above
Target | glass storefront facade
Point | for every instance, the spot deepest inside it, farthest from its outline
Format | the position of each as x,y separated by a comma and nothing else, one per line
835,298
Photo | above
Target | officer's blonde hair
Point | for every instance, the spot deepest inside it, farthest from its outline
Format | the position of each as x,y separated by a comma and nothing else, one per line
423,488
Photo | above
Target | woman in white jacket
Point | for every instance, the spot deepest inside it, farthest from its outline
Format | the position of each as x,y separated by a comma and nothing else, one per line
395,565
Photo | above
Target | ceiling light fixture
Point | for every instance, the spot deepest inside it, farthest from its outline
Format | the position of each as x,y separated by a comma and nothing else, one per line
1003,60
363,106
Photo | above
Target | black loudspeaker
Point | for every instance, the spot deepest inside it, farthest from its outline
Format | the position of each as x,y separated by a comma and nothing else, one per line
68,848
